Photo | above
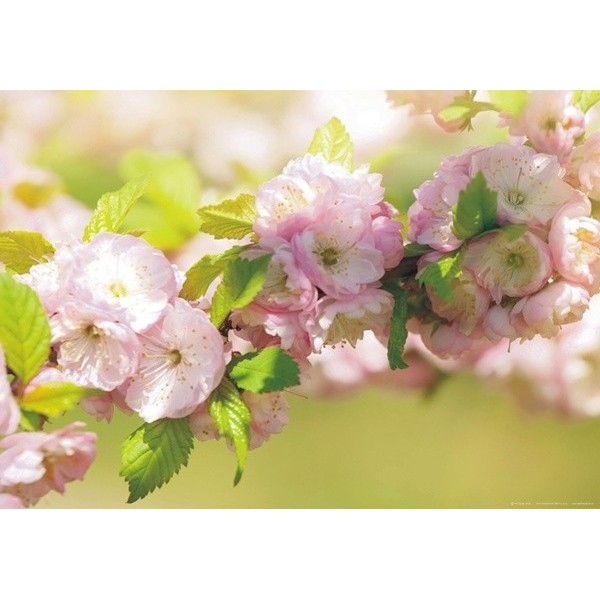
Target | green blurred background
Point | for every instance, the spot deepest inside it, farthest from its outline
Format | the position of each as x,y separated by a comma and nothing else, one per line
466,445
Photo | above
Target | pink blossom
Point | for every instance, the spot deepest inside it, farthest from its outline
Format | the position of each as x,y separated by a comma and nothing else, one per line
388,240
589,166
574,241
182,362
93,349
498,324
202,424
126,277
551,122
529,185
337,321
268,415
9,409
509,268
34,463
446,341
338,252
11,501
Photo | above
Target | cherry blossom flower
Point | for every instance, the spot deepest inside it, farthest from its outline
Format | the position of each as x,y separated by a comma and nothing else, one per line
589,165
11,501
268,415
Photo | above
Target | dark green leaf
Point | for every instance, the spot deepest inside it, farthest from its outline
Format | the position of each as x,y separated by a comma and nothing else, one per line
475,211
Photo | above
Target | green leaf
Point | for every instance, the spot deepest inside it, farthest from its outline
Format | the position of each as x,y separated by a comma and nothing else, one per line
113,208
153,453
398,331
440,274
232,418
475,211
454,112
414,249
24,328
55,397
202,273
585,99
231,219
464,108
242,280
167,211
513,232
266,371
509,101
20,250
334,143
31,421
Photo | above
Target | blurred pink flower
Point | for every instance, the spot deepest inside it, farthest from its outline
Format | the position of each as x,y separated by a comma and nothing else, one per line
11,501
268,415
589,166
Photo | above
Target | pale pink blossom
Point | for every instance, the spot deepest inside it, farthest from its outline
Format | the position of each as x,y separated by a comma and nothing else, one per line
498,324
182,362
202,424
33,463
9,409
446,341
558,304
574,241
509,268
529,185
125,276
388,240
337,321
102,407
550,121
338,252
93,349
268,415
589,166
11,501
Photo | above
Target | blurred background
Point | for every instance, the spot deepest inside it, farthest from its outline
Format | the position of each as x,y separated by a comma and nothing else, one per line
495,430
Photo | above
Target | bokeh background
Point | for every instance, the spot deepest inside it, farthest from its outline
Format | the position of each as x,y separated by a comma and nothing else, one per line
462,441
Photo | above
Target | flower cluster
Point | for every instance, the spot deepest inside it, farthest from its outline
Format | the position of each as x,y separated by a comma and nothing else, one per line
332,237
529,271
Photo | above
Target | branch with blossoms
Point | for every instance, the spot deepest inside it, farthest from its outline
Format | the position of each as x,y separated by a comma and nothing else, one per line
502,245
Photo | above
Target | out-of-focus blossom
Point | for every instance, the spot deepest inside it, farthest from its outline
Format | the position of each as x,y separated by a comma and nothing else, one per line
268,415
9,409
589,166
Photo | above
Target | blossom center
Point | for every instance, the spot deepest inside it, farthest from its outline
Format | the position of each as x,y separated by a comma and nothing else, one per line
329,256
515,198
117,289
514,260
175,357
93,332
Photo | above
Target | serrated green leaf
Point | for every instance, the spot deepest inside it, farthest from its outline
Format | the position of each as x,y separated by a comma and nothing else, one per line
585,99
475,211
413,249
232,417
231,219
153,453
20,250
509,101
167,211
55,397
398,331
439,274
202,273
24,328
113,208
334,143
268,370
242,280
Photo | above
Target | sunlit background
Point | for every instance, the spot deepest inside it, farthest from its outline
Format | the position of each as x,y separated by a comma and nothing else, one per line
451,439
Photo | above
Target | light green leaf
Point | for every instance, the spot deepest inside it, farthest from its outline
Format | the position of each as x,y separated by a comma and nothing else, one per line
475,211
268,370
242,280
153,453
463,109
513,232
24,328
31,421
334,143
232,418
113,208
55,397
440,274
414,249
585,99
231,219
202,273
20,250
454,112
509,101
398,331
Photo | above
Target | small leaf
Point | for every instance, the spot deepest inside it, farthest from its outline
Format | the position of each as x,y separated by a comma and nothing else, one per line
475,211
24,328
202,273
509,101
585,99
513,232
398,331
20,250
113,208
232,418
153,453
268,370
413,249
55,397
334,143
242,281
31,421
440,274
231,219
